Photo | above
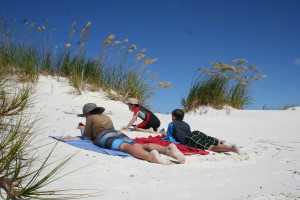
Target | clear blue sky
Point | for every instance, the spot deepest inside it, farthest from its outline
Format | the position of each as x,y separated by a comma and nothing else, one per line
185,35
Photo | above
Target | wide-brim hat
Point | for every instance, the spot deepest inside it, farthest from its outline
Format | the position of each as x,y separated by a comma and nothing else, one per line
90,107
132,101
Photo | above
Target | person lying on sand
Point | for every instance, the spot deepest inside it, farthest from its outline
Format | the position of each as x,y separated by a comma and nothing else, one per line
180,132
100,129
150,121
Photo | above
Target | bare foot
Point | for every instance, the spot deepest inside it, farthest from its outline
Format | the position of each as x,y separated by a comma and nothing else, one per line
173,152
157,159
237,150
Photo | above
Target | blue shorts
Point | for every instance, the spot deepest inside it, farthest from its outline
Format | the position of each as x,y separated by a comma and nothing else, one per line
113,140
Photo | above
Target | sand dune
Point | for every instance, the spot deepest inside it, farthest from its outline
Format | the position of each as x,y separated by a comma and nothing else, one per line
271,170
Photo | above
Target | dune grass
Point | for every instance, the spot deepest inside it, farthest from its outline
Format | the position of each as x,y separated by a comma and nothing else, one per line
222,84
23,174
210,91
120,68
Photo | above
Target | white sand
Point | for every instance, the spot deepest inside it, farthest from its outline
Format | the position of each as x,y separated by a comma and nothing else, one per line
271,170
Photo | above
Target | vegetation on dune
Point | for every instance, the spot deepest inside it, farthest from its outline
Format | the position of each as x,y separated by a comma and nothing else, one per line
23,174
222,84
120,68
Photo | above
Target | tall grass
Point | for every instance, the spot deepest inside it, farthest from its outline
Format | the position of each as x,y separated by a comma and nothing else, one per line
210,91
120,68
22,174
222,84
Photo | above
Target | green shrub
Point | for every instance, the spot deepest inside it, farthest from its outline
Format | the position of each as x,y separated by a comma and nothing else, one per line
222,84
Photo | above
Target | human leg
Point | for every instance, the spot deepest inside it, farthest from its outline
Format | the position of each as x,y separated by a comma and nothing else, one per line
142,130
220,148
154,123
138,151
226,148
199,140
117,140
173,152
170,150
238,150
150,125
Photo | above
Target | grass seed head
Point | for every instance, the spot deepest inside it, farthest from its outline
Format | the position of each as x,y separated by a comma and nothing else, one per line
147,61
143,50
72,33
116,42
81,46
87,25
153,74
262,76
241,68
32,26
133,47
139,56
233,61
74,24
109,39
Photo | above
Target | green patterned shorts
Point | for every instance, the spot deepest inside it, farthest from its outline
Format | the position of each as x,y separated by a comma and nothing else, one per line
199,140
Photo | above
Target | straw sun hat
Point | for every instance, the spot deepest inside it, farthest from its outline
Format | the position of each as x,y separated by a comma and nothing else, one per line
132,101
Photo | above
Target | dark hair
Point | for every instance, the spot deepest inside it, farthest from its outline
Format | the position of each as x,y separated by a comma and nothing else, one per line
95,112
178,114
136,105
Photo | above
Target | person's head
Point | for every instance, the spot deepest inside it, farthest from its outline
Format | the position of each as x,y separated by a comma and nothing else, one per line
132,103
177,114
91,109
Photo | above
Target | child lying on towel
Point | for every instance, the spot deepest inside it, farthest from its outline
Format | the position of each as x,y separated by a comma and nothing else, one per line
180,132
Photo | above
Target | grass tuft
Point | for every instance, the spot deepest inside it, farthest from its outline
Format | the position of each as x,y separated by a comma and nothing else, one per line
222,84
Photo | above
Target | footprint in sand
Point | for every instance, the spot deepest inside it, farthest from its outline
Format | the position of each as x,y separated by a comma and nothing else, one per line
287,160
294,173
219,179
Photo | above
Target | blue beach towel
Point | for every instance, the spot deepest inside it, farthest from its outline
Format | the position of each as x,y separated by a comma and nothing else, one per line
87,144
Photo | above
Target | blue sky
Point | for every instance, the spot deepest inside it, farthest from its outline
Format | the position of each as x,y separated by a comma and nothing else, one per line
186,34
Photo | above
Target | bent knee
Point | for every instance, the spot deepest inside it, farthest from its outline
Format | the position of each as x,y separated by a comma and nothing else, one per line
211,147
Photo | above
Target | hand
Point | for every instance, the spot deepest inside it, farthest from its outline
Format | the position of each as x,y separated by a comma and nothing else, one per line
80,126
163,132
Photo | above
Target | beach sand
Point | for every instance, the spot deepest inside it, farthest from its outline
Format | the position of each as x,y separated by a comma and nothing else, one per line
271,170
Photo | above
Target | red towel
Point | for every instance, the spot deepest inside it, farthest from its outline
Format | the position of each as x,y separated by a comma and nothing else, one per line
158,140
